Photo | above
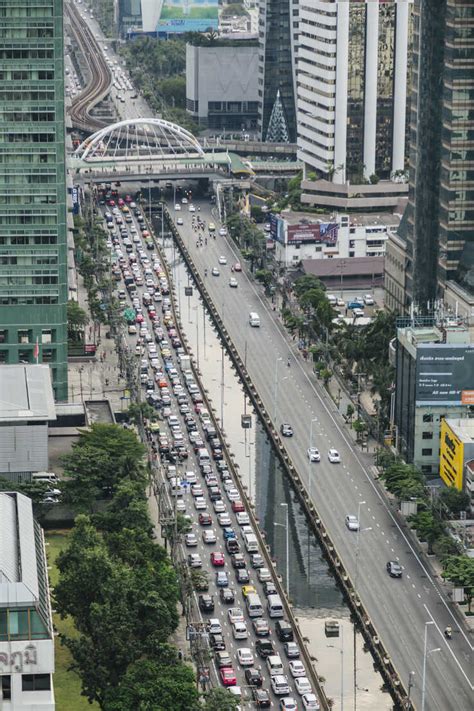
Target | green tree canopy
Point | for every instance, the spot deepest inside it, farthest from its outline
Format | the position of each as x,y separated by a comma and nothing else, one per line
77,320
459,570
455,501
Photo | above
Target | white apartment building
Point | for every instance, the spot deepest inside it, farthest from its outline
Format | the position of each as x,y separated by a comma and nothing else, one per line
352,88
26,628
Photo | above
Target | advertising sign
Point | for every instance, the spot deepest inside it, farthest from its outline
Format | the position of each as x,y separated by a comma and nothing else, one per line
317,233
451,460
444,372
277,229
467,397
75,200
179,16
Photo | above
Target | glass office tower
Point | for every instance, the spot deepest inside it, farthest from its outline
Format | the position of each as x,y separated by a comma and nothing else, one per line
33,249
440,213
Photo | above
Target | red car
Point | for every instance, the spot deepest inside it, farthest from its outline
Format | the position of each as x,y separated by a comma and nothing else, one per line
237,267
217,559
205,520
237,506
228,676
139,318
112,203
128,198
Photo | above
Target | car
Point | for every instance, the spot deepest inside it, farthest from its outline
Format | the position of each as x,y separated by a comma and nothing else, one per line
288,704
243,518
222,259
248,590
280,685
284,631
237,506
261,627
217,642
297,668
233,494
264,648
219,506
194,560
237,267
223,659
233,283
227,596
181,506
239,630
228,533
292,650
215,271
286,430
358,313
334,456
245,657
352,522
205,519
177,207
235,614
224,519
214,626
302,685
206,603
235,691
242,575
261,698
257,561
209,537
310,702
253,677
217,559
313,454
222,579
190,540
269,588
200,503
179,221
238,560
369,300
191,208
211,227
263,574
228,677
394,569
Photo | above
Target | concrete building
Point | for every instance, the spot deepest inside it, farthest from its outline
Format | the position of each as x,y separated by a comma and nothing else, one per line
26,629
395,273
222,84
26,408
353,74
306,236
434,376
33,229
439,229
278,40
456,466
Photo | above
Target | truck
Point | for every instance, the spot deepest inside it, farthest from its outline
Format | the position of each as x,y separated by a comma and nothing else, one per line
184,362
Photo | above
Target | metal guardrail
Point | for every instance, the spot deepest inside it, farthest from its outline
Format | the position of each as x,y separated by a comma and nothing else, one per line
381,657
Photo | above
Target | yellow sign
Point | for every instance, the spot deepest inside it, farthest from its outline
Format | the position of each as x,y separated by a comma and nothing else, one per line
451,461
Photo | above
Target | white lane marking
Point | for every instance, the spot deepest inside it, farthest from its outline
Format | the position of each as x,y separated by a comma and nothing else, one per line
448,646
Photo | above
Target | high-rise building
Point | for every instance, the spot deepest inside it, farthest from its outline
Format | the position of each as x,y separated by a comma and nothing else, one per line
440,213
278,36
33,247
352,81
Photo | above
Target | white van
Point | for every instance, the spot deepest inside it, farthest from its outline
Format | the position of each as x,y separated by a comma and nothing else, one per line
251,543
176,487
275,606
45,477
254,319
203,456
254,605
275,665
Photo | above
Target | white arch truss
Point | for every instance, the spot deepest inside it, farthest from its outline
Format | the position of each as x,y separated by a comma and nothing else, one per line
139,139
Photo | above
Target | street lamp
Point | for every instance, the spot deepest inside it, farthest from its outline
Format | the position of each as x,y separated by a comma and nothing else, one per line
286,526
426,654
315,419
275,391
359,531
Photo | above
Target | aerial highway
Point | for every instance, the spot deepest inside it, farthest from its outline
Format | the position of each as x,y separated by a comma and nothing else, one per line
405,611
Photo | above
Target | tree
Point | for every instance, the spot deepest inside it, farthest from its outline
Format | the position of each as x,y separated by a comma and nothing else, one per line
326,375
459,570
359,428
138,411
427,526
77,320
446,546
220,700
350,412
455,501
173,91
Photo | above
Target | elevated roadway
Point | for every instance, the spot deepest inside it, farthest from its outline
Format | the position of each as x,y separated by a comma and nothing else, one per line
403,611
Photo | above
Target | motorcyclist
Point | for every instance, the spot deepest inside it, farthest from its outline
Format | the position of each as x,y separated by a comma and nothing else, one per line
448,632
205,272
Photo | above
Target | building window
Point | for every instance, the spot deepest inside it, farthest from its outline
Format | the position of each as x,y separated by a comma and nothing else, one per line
426,452
6,687
3,335
427,418
3,357
24,336
47,335
427,435
426,469
36,682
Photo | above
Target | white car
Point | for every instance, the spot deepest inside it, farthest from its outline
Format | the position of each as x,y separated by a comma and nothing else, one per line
200,503
245,657
179,221
358,313
310,702
214,626
233,494
288,704
243,518
209,537
190,477
297,668
334,456
194,560
313,454
191,208
280,685
177,207
302,685
222,259
215,271
239,630
264,575
369,300
223,232
190,540
180,506
219,506
352,522
235,614
224,519
233,283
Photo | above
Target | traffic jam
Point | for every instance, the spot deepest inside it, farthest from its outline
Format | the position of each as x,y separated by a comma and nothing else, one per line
252,644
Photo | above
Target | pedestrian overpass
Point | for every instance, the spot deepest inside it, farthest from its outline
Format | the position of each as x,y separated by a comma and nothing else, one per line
154,149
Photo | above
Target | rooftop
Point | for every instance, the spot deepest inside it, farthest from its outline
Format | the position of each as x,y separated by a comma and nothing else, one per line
463,428
357,219
19,582
353,266
26,393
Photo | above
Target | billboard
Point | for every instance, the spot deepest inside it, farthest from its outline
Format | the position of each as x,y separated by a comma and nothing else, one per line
179,16
451,460
443,372
277,228
315,233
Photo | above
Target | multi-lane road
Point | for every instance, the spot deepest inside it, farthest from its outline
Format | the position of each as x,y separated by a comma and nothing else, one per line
401,609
